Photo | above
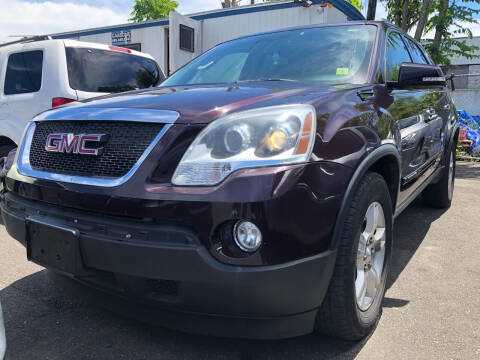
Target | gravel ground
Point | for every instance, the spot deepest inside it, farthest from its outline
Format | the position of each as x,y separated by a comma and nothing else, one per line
431,308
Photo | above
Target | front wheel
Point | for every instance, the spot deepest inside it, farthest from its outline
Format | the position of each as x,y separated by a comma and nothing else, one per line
352,305
440,194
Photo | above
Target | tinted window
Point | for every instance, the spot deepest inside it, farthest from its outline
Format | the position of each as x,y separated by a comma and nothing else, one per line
136,46
24,72
339,54
187,35
96,70
415,53
396,54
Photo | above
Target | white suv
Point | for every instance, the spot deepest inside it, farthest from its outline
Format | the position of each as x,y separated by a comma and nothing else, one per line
39,73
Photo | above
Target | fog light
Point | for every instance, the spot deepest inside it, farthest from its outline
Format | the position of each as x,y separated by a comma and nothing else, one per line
247,235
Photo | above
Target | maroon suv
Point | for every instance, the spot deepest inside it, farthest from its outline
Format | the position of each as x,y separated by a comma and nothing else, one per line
253,194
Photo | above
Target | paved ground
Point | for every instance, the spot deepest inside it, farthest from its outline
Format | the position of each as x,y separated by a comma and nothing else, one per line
431,308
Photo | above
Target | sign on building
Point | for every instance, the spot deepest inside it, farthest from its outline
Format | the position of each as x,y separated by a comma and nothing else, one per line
121,37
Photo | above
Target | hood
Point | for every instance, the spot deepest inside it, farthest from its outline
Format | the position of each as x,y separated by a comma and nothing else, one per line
200,104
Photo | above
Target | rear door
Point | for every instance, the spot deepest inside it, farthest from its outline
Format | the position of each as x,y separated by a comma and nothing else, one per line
23,83
185,41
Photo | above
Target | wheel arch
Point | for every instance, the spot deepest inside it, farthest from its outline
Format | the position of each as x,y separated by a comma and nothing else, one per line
5,140
384,160
455,135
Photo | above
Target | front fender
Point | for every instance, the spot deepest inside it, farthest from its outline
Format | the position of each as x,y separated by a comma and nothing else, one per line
385,150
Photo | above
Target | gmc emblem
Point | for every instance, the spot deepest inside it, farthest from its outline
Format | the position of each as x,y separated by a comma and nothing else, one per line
74,143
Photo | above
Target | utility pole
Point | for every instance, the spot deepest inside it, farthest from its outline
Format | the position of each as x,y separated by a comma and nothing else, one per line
372,8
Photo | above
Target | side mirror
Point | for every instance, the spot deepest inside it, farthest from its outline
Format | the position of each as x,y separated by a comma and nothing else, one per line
412,75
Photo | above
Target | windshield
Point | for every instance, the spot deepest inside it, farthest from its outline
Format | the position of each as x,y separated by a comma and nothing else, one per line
96,70
334,54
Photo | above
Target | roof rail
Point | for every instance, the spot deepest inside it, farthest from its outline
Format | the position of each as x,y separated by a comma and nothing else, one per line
27,39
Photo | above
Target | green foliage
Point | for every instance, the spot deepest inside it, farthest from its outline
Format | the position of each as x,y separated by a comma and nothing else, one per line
455,23
356,3
152,9
404,14
145,79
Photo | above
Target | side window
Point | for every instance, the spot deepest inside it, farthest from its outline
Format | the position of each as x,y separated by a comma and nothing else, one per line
426,56
396,54
24,72
415,53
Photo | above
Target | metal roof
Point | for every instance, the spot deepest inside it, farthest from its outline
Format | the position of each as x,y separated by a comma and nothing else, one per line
348,9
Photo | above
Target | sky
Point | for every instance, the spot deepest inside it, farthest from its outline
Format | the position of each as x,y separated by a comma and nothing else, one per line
36,17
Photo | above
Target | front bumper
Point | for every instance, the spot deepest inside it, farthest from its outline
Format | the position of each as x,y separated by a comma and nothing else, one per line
170,272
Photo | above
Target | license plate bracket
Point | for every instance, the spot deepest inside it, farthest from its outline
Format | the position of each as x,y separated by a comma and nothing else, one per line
54,246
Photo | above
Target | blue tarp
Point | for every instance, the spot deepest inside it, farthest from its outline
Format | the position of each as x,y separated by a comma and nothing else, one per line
472,124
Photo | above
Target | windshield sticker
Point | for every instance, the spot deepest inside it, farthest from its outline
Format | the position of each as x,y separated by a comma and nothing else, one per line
342,71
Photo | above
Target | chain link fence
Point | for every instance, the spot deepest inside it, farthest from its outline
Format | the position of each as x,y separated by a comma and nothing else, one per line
468,147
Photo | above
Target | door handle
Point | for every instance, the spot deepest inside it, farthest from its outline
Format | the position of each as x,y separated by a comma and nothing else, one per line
430,113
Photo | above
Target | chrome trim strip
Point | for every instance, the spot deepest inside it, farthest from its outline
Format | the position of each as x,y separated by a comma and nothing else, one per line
24,167
122,114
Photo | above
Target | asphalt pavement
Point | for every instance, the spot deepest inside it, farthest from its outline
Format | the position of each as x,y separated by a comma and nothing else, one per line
431,309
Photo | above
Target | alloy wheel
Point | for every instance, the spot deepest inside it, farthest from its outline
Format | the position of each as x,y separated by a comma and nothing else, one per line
370,256
451,179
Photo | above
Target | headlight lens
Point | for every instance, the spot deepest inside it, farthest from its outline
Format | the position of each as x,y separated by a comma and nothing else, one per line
260,137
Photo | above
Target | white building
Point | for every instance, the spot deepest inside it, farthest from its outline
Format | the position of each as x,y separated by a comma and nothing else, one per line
467,93
177,40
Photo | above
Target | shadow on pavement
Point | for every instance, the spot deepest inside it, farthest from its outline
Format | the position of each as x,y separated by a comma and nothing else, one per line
410,229
43,321
467,170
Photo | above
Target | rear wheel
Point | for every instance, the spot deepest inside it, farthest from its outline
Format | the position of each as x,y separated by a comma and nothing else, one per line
352,305
440,194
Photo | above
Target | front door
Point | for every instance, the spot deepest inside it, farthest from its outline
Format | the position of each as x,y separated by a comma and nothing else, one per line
418,115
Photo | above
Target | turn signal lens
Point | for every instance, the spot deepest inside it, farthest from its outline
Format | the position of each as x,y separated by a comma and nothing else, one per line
58,101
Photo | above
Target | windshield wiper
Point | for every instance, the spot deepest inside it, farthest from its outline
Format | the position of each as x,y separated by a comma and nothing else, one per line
265,79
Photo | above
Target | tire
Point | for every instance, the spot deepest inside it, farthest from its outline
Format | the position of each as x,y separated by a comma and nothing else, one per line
440,194
341,314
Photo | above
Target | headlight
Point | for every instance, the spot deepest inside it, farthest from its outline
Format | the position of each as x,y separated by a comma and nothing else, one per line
261,137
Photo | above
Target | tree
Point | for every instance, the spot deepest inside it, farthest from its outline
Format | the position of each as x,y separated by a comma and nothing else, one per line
372,8
356,3
422,21
404,14
152,9
451,20
230,3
